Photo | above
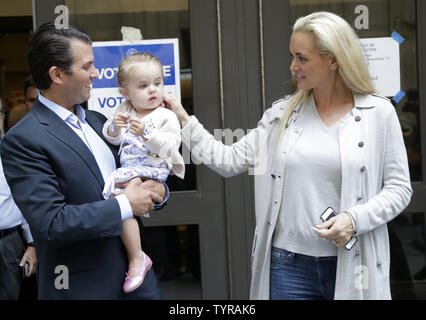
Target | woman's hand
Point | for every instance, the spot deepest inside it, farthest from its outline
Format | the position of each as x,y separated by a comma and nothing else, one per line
338,229
172,103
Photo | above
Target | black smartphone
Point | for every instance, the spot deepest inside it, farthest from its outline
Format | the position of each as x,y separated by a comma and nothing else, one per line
328,214
350,243
25,270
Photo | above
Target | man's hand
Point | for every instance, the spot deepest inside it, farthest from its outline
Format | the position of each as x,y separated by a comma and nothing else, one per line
142,195
155,186
30,257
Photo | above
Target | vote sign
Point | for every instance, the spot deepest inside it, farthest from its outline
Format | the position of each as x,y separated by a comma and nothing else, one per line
105,97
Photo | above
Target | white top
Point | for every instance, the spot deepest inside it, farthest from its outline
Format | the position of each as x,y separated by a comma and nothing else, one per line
312,183
10,216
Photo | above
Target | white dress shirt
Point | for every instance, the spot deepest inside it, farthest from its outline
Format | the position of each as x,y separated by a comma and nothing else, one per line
10,216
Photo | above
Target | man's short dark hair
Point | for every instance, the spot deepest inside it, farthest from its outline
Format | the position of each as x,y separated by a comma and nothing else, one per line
50,46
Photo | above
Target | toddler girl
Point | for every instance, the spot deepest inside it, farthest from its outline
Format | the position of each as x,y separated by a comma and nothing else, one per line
149,139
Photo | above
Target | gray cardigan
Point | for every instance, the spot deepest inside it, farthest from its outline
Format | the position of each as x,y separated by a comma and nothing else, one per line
375,188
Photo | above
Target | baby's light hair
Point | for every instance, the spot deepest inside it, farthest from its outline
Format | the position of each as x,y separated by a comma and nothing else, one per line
128,62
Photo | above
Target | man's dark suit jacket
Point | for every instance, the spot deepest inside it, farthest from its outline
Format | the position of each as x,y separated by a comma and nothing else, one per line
57,185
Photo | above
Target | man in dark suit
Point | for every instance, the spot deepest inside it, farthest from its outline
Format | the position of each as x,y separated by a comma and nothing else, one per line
55,161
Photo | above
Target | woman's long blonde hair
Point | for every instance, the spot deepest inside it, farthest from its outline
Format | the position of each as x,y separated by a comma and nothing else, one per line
333,37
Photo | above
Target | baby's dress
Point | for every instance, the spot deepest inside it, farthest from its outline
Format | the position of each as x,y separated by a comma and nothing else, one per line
141,159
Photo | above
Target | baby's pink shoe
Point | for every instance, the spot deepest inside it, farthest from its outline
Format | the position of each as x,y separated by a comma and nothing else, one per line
132,283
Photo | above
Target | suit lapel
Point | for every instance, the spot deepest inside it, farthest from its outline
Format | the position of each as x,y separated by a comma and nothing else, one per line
59,129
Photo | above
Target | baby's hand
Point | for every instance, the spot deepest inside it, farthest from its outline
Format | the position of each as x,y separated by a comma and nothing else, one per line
137,126
121,119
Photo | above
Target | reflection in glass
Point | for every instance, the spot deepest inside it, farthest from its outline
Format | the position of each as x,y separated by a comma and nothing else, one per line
175,253
408,256
384,17
157,19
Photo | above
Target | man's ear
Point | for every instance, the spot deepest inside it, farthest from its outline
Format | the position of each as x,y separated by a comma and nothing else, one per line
124,93
56,75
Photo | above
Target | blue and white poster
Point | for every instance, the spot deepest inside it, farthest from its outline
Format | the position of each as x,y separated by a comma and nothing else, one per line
105,97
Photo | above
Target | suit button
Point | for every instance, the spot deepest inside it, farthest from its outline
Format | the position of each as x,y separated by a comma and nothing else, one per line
357,118
359,199
361,144
273,176
363,169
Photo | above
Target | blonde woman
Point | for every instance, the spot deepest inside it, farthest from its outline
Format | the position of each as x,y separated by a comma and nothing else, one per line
333,143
